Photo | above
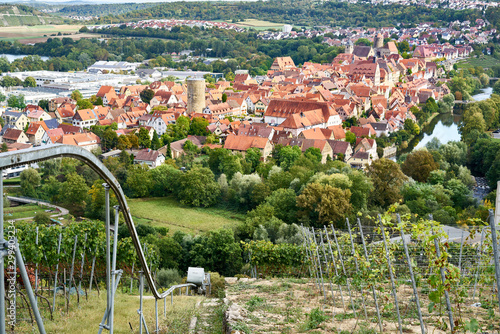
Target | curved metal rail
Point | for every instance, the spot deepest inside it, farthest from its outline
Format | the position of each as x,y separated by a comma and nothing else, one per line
37,154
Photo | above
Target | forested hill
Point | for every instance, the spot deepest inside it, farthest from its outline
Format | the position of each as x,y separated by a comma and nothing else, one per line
104,9
301,13
20,15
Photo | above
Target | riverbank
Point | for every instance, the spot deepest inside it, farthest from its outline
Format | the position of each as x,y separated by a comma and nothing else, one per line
412,137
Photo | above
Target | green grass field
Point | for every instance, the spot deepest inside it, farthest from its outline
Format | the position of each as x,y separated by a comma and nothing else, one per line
483,61
259,25
167,212
22,211
15,33
86,318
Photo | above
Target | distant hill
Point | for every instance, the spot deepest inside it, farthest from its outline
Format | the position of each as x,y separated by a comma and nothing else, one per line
104,9
21,15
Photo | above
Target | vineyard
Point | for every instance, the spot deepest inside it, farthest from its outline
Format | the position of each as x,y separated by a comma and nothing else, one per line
397,275
65,264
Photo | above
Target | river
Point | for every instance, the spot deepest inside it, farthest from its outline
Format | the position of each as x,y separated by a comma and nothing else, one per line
11,58
443,127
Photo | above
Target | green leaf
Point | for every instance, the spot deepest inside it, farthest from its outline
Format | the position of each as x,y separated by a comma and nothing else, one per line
430,307
434,296
472,325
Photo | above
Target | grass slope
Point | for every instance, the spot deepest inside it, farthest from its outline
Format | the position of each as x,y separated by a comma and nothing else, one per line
484,61
167,212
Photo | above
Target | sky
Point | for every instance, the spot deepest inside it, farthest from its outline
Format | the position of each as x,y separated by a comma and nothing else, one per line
113,1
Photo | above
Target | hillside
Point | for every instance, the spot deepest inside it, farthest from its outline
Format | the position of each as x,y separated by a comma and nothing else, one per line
102,10
20,15
301,13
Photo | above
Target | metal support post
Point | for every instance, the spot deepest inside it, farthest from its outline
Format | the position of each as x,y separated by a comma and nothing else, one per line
132,278
479,253
394,292
72,268
92,271
113,270
443,280
357,266
142,321
306,246
36,266
2,254
496,253
83,262
334,267
29,290
344,271
328,271
57,271
108,260
156,315
373,286
413,283
460,255
319,263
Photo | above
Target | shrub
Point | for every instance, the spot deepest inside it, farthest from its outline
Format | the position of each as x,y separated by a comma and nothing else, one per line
168,277
218,285
42,218
315,318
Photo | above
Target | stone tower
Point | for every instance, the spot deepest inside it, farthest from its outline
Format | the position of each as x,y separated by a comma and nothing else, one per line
195,95
378,42
349,49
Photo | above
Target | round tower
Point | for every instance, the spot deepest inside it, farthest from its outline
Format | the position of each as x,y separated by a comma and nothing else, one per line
378,42
349,49
195,95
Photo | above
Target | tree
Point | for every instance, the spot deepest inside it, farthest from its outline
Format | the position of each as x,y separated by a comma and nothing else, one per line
363,41
411,127
179,130
30,180
75,192
16,102
76,95
253,156
139,182
2,97
198,187
144,140
286,202
218,251
431,106
287,155
350,137
4,147
198,127
155,142
29,82
387,180
147,95
44,104
224,97
485,79
109,139
419,164
84,104
496,87
323,204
